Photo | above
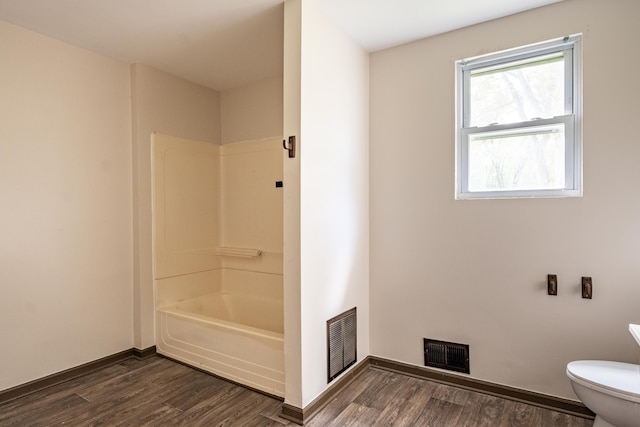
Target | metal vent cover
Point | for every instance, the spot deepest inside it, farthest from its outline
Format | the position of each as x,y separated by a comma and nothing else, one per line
446,355
341,343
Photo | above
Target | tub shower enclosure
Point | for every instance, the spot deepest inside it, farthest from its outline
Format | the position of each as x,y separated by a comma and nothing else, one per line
218,257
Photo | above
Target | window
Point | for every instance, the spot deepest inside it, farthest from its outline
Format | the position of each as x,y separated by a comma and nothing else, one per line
519,122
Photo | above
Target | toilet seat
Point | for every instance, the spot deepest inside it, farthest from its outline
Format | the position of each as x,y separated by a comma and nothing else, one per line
617,379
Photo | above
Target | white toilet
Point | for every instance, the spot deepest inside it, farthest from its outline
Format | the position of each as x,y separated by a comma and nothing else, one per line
610,389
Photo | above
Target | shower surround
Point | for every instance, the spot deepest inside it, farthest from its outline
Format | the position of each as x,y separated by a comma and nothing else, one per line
218,257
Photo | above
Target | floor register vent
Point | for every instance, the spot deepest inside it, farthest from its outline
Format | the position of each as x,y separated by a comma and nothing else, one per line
446,355
341,343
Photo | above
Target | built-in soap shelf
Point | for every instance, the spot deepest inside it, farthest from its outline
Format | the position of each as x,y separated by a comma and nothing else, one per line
239,252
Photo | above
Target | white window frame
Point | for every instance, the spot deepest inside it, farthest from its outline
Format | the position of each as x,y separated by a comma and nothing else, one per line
572,119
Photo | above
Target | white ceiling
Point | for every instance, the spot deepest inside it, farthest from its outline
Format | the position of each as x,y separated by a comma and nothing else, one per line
379,24
229,43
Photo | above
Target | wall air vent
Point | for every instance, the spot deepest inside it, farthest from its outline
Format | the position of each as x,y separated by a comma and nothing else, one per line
446,355
341,343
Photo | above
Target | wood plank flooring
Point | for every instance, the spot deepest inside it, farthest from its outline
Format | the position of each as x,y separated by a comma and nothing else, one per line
382,398
159,392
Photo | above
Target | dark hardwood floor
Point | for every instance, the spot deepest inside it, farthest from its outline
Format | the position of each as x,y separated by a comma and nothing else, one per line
159,392
382,398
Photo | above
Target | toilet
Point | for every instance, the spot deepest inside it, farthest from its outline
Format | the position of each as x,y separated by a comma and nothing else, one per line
610,389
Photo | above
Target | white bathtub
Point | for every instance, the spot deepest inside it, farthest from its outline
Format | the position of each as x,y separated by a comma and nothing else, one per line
236,336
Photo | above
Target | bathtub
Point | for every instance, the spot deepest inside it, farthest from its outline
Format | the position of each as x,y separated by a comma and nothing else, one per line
236,336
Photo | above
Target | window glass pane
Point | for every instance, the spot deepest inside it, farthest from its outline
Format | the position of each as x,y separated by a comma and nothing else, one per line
517,91
522,159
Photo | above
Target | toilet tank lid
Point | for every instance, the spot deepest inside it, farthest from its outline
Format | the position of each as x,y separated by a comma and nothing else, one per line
618,377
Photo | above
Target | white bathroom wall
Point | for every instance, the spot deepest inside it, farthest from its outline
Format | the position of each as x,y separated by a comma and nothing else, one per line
65,212
291,205
475,271
334,189
166,104
252,112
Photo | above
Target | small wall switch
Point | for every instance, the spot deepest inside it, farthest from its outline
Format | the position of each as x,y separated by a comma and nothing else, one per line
552,284
587,288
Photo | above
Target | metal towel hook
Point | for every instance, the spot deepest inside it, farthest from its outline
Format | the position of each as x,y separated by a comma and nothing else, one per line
291,148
